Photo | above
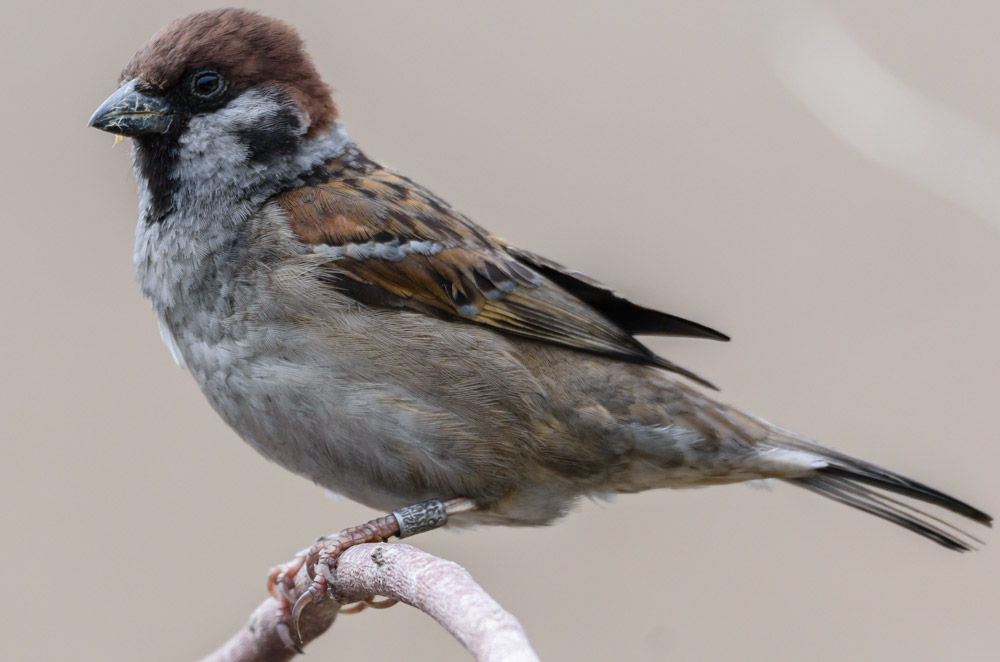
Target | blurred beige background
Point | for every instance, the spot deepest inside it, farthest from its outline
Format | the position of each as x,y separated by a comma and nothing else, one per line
816,179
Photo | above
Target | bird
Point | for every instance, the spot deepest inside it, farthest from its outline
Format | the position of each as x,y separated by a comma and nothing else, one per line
356,329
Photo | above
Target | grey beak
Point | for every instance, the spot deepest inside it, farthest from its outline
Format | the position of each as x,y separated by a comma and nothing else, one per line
129,112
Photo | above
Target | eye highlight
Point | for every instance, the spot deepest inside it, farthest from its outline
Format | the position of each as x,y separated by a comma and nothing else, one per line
207,84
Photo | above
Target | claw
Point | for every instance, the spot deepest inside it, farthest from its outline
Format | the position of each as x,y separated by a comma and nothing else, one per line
370,601
300,604
272,583
286,638
352,609
312,594
380,604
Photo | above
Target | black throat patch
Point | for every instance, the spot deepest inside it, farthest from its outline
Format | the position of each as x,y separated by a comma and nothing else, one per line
156,157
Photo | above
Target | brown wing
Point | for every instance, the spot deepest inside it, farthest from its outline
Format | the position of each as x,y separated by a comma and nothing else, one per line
393,243
631,317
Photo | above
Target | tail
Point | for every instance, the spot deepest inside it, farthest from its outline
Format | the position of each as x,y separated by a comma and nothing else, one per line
867,487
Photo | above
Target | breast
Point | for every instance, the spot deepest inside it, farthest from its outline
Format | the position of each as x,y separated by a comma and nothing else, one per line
385,406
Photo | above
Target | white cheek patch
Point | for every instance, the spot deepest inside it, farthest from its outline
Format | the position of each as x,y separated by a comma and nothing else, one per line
211,147
215,160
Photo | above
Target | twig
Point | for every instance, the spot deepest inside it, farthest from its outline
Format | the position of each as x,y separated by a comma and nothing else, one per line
442,589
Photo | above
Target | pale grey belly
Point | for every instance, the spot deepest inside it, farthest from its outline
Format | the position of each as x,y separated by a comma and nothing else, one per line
338,419
343,425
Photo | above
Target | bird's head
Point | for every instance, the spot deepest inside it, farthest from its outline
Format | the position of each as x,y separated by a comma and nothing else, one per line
218,98
214,60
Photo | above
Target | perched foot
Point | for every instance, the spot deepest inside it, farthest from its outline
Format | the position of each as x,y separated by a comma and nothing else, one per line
280,582
321,558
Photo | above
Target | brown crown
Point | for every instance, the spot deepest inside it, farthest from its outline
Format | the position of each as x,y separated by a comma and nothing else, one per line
247,47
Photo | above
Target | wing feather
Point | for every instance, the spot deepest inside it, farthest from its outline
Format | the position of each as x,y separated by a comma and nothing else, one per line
393,243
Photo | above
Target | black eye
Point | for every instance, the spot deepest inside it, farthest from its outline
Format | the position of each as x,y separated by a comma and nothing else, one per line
206,84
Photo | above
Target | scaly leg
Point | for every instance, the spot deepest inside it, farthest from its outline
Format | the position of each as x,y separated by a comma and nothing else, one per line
322,557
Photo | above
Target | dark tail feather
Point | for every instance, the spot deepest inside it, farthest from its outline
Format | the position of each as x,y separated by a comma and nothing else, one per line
910,488
845,482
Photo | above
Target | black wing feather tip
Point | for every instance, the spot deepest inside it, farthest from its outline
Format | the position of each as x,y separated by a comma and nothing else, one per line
647,321
631,317
640,320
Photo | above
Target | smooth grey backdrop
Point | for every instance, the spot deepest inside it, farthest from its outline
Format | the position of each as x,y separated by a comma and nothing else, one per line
654,145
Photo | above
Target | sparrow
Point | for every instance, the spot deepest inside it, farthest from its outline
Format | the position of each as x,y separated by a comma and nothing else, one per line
355,328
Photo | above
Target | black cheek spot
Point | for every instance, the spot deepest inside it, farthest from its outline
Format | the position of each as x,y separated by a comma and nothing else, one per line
275,138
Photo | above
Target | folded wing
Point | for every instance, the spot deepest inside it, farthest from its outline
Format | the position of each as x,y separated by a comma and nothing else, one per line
390,242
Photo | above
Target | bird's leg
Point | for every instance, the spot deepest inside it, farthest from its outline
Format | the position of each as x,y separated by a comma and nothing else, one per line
321,558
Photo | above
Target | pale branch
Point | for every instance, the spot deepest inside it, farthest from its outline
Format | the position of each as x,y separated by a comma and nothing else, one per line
442,589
